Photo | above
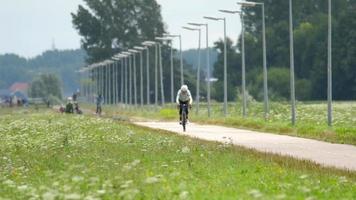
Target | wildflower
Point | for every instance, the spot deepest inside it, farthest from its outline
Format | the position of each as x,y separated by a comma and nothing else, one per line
101,192
22,187
185,149
129,194
49,195
304,176
72,196
255,193
77,178
183,195
151,180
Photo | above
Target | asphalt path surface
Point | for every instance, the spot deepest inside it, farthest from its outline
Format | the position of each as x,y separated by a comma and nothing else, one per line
327,154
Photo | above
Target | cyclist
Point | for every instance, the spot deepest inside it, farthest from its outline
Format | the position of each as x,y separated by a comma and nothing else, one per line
184,97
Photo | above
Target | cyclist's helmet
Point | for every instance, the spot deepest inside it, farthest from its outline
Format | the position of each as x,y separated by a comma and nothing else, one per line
184,88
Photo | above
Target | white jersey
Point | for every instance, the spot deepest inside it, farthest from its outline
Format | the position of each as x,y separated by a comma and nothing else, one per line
184,97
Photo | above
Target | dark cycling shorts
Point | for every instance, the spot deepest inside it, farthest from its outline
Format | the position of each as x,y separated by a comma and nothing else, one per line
180,108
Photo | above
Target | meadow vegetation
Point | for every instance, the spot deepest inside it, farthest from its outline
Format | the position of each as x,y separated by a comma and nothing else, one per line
54,156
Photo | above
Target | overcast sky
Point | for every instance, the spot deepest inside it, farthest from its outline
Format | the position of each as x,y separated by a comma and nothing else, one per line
28,27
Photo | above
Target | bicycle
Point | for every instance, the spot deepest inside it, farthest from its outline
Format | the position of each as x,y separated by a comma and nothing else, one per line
184,108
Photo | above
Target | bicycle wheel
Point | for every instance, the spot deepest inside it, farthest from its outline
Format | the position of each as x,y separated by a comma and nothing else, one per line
184,120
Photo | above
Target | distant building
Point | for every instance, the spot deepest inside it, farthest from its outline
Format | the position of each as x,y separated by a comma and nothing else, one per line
20,87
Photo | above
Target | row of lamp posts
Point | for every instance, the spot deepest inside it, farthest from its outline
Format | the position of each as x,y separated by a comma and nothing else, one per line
128,64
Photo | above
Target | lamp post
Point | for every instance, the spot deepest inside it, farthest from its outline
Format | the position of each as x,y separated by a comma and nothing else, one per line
265,79
198,67
163,39
225,61
114,80
291,51
207,61
161,67
122,80
116,61
181,57
126,79
134,52
243,62
128,65
148,44
330,117
120,58
141,49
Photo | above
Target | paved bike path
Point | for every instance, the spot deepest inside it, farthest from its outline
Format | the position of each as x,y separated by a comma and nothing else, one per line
333,155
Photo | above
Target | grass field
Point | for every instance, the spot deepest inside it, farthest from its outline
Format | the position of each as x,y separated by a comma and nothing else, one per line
311,118
52,156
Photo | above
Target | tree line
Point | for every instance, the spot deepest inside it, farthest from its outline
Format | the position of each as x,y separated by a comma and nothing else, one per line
111,26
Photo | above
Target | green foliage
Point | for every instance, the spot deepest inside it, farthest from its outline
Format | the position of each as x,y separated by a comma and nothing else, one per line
62,63
233,71
52,156
44,86
310,39
110,26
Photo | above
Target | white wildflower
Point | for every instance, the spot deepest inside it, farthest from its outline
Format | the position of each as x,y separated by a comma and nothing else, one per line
185,149
151,180
183,195
72,196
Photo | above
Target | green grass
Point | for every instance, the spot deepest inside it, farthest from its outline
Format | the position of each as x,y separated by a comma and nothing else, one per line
311,118
54,156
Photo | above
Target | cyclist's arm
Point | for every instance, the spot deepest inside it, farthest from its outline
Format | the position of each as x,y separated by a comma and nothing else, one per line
191,98
177,98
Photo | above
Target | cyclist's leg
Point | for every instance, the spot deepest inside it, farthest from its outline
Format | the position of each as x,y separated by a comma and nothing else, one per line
187,104
180,111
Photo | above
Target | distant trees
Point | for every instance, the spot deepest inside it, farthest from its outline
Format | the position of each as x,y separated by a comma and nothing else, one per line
45,86
310,35
63,63
108,26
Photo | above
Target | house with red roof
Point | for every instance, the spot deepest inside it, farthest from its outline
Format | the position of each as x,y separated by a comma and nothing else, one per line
19,87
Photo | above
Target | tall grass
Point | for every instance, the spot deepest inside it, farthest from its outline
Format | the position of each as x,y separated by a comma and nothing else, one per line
52,156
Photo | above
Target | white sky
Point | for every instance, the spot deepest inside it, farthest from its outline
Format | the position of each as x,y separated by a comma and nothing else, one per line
28,27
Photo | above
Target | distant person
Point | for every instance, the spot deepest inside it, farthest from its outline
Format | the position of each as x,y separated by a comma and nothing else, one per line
184,97
75,96
10,101
99,102
76,108
69,106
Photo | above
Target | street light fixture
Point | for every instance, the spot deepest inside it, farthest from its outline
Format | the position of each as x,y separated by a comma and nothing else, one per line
265,80
134,52
207,61
243,63
330,116
291,52
225,60
129,84
141,49
147,44
160,66
198,68
172,76
181,56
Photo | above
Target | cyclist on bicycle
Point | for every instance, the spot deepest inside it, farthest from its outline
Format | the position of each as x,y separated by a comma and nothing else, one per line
184,97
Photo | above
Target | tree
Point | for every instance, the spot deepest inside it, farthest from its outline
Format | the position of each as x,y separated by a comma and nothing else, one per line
233,71
310,29
45,86
110,26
